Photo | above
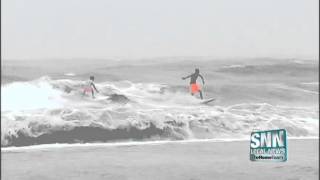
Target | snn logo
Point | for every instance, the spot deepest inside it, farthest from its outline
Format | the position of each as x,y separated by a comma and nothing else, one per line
267,139
268,145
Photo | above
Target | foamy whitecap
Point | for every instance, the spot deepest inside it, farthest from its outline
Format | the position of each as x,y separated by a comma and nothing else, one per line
311,83
234,66
70,74
29,95
48,111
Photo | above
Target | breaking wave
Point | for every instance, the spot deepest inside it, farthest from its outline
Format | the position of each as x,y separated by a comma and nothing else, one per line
45,111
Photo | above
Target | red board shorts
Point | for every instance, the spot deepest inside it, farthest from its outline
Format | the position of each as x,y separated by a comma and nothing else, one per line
194,88
88,89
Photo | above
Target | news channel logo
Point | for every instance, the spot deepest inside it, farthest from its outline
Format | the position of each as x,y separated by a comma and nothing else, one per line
269,145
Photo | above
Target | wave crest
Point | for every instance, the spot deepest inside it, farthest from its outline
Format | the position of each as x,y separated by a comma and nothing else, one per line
125,110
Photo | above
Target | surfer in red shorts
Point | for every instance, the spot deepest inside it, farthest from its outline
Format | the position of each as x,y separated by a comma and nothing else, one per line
90,87
194,87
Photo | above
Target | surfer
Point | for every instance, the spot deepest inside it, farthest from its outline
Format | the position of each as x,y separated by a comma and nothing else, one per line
194,87
90,87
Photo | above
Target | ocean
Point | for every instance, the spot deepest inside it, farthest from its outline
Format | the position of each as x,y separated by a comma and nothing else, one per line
146,100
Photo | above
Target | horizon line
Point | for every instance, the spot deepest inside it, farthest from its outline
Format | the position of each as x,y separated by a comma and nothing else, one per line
119,58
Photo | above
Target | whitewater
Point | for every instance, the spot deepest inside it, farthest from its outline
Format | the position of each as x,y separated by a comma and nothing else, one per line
59,113
52,109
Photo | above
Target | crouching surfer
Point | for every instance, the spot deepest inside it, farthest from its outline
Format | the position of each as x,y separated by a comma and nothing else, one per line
90,87
194,87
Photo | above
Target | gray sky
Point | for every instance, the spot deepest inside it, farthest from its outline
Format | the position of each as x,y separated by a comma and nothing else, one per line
149,28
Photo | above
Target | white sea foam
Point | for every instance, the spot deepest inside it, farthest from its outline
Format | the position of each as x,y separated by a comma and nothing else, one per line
142,111
310,83
235,66
70,74
132,143
29,95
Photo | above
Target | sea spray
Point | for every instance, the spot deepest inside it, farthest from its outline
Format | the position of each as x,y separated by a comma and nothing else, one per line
145,111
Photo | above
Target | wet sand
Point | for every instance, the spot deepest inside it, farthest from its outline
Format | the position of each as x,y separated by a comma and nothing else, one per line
185,161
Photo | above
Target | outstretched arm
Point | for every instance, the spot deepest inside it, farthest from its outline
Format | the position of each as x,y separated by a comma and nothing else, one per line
201,78
186,77
94,86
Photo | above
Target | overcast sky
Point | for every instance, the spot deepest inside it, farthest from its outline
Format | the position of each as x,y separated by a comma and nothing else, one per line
148,28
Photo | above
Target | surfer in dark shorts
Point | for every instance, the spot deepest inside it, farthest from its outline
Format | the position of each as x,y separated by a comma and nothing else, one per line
90,87
194,87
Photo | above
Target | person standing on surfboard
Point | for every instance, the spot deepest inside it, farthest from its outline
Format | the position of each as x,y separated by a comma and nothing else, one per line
194,87
90,87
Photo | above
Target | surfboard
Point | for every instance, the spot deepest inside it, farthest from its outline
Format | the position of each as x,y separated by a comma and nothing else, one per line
206,101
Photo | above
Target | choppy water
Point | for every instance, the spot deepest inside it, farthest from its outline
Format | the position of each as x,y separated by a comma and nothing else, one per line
148,100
